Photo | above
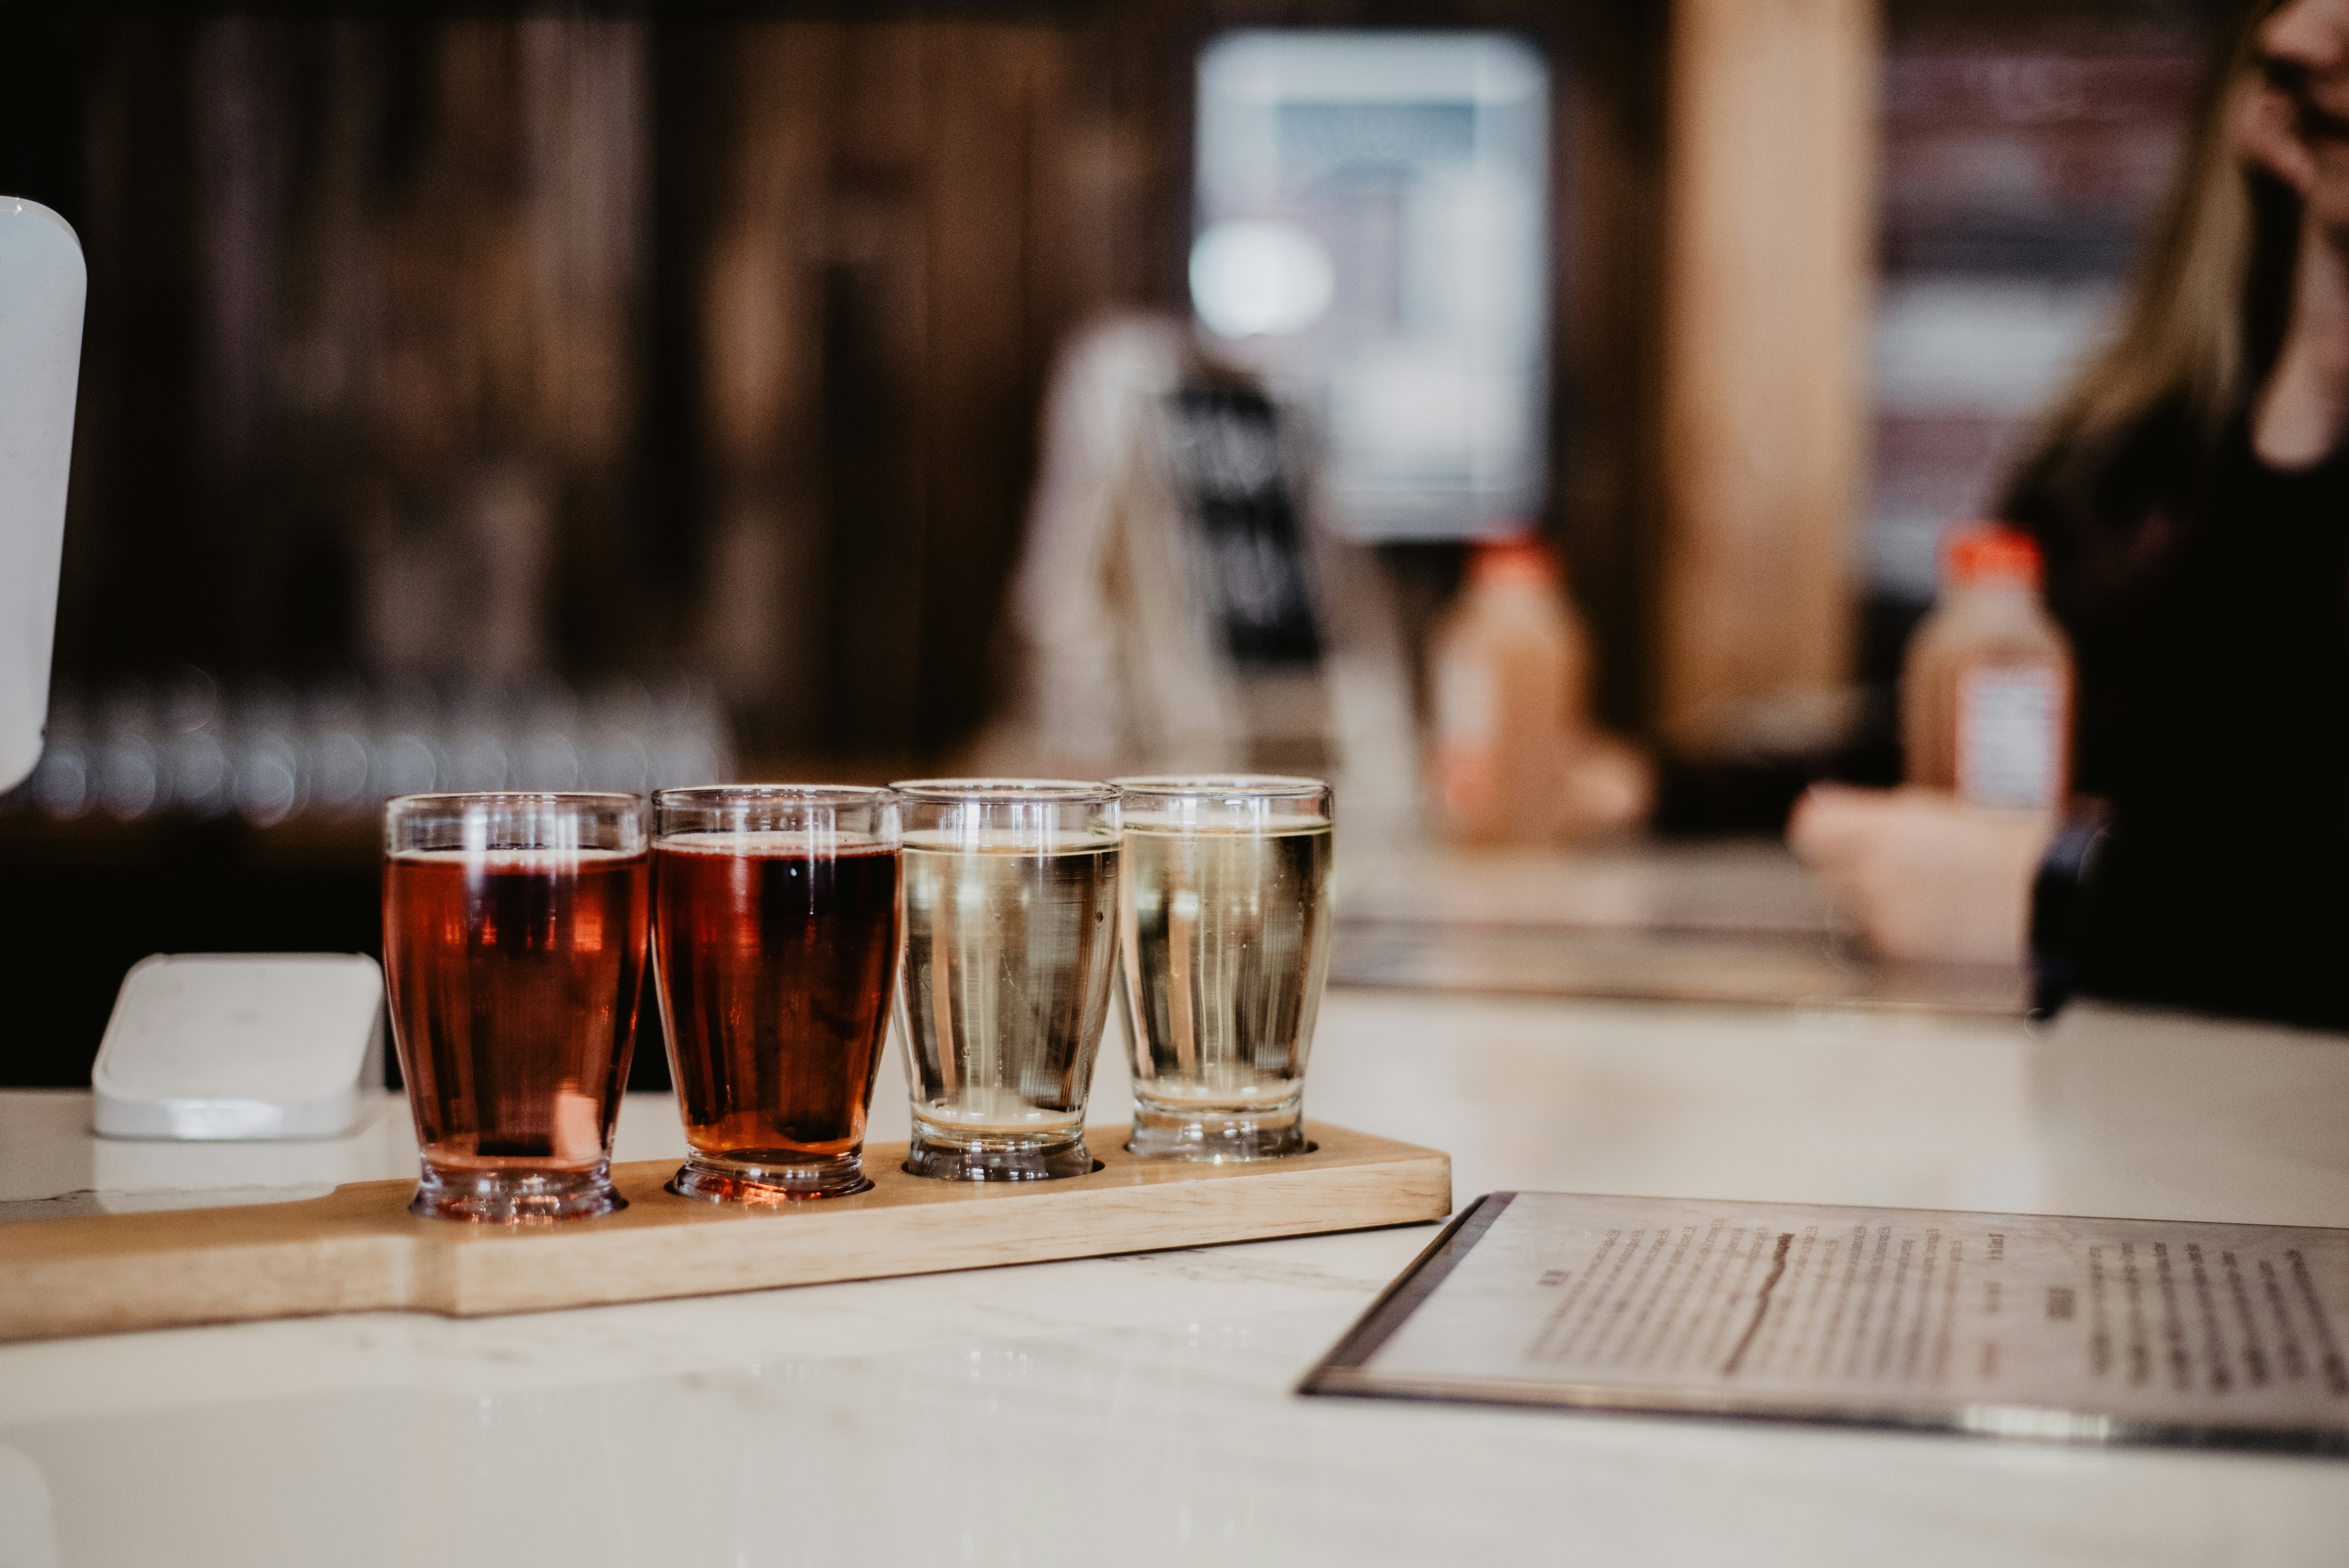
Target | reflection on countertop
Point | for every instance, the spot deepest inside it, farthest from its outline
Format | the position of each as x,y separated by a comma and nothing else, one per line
1721,886
1724,921
51,1166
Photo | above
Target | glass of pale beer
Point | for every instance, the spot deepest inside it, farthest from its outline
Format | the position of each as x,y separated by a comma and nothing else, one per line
1010,948
774,952
513,953
1227,925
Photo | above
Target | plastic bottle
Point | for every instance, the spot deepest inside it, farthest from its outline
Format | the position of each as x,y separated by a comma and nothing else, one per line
1508,668
1986,689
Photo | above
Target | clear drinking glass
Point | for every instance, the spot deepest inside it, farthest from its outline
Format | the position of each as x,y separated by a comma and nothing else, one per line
1226,944
513,951
1010,943
774,951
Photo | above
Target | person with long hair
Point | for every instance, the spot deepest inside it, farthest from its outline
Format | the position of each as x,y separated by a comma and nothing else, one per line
2191,499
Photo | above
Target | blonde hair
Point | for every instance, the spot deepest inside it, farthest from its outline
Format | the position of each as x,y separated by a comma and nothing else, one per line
2205,318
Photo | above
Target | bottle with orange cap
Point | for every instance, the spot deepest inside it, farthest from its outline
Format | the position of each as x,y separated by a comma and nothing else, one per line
1517,756
1986,689
1504,668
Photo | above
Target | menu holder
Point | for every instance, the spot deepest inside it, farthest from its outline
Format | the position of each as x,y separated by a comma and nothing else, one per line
357,1249
2078,1330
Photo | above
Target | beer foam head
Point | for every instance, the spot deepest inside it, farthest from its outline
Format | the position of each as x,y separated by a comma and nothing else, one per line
1002,840
773,841
1213,817
498,859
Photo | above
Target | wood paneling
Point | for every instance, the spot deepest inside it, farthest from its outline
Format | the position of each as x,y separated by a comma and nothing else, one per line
1769,208
1606,231
470,344
884,278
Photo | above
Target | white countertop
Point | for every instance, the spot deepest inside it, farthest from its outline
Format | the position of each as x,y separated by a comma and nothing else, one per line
1137,1409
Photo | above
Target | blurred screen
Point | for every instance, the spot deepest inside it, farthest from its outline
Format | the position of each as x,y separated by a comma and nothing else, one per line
1371,229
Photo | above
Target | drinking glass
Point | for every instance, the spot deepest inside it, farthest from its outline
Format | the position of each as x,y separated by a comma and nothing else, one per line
1226,944
1010,943
774,951
513,951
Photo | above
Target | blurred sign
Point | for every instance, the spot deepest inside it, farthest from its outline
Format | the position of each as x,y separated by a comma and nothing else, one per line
1231,468
1372,228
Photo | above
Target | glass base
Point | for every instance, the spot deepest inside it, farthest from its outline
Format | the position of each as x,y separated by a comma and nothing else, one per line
954,1154
1217,1136
516,1197
716,1179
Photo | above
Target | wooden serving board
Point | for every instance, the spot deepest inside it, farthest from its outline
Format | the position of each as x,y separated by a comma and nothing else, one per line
359,1249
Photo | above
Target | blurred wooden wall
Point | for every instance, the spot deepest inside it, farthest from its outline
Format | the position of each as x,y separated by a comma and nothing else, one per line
1769,278
883,230
481,344
363,357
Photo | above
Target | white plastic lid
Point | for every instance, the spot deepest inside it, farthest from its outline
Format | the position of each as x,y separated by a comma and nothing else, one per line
281,1044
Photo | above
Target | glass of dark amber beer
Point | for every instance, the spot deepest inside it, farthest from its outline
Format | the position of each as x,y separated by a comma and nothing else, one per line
775,950
513,949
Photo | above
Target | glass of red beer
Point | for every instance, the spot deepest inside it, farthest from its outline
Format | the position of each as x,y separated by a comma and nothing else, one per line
513,951
775,950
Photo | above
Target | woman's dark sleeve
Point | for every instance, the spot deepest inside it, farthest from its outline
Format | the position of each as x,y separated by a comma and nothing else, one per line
2214,672
2105,543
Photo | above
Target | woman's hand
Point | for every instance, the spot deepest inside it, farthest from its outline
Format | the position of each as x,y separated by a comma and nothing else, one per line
1924,876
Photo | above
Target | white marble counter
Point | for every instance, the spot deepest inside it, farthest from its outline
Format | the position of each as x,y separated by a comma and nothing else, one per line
1137,1409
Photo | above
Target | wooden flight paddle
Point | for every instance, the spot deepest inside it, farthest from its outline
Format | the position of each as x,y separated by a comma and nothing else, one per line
357,1249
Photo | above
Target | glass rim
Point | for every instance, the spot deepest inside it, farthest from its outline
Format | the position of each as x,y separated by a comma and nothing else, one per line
1063,791
514,798
807,794
1223,786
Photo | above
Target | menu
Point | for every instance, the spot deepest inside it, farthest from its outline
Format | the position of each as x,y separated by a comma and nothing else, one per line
2002,1324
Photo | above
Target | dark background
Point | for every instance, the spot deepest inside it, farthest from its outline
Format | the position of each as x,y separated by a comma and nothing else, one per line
752,307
